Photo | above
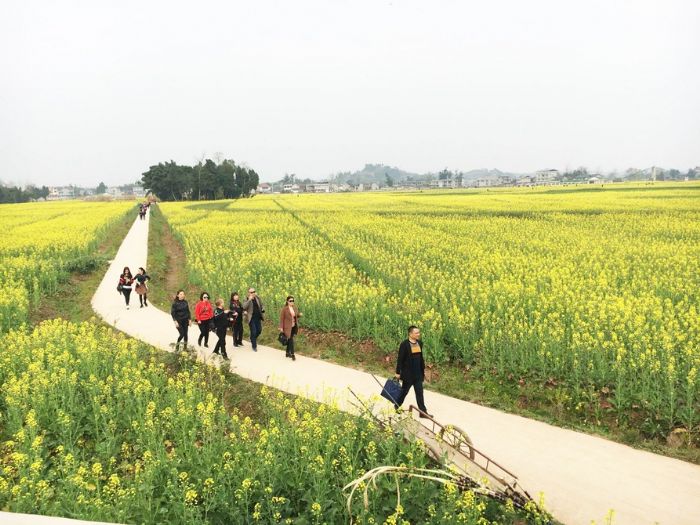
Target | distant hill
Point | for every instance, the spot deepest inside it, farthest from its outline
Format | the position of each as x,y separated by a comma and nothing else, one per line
378,172
374,173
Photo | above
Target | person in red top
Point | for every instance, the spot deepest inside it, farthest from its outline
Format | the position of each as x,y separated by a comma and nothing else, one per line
203,314
126,281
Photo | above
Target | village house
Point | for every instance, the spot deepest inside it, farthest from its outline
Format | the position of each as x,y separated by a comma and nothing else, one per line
58,193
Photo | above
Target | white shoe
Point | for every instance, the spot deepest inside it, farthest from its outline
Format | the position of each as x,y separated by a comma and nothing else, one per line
127,306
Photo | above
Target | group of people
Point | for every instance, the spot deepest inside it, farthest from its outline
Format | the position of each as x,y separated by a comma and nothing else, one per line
143,208
214,318
137,283
410,365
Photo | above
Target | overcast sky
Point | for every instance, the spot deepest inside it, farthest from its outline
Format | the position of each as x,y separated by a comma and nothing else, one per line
99,91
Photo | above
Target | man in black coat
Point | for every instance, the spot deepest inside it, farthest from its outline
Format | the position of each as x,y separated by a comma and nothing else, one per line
410,368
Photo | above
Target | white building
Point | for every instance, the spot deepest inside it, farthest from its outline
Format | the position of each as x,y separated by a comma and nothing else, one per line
486,182
319,187
114,191
505,180
264,188
546,176
290,188
59,193
443,183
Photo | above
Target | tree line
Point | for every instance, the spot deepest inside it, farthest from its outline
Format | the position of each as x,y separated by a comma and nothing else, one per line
10,194
206,180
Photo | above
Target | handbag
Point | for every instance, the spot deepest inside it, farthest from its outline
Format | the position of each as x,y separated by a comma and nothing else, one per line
391,390
282,339
120,287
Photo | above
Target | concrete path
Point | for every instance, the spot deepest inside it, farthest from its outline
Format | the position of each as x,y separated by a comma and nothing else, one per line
12,518
582,476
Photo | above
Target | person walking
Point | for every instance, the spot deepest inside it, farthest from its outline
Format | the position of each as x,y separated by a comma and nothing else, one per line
410,368
203,314
254,311
126,281
142,287
180,312
221,324
236,318
289,324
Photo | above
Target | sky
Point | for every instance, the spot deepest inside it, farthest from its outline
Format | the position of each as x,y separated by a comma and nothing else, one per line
100,90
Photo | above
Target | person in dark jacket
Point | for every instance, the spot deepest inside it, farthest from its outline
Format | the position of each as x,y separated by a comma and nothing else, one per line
141,286
236,319
254,311
221,324
126,281
180,312
410,368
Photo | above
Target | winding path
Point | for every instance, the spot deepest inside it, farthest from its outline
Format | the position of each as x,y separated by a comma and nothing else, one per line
582,476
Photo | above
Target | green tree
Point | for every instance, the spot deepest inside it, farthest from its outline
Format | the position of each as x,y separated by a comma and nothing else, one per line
101,188
205,180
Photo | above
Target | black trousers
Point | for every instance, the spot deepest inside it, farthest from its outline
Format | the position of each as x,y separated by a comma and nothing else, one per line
221,343
417,388
237,329
182,330
127,294
204,332
290,341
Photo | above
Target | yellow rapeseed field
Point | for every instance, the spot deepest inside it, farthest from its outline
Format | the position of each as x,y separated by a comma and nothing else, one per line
40,242
595,289
96,425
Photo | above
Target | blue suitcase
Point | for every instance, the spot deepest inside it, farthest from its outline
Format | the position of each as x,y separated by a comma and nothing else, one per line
391,390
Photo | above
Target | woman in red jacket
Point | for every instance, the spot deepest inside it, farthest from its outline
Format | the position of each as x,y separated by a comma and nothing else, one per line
203,314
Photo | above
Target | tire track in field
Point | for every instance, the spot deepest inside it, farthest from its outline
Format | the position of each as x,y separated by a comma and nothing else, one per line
360,264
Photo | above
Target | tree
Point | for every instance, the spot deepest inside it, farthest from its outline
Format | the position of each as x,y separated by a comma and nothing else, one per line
389,180
101,188
206,180
445,174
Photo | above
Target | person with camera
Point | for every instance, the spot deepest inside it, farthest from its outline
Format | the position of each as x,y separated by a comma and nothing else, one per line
235,317
410,368
289,325
254,310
